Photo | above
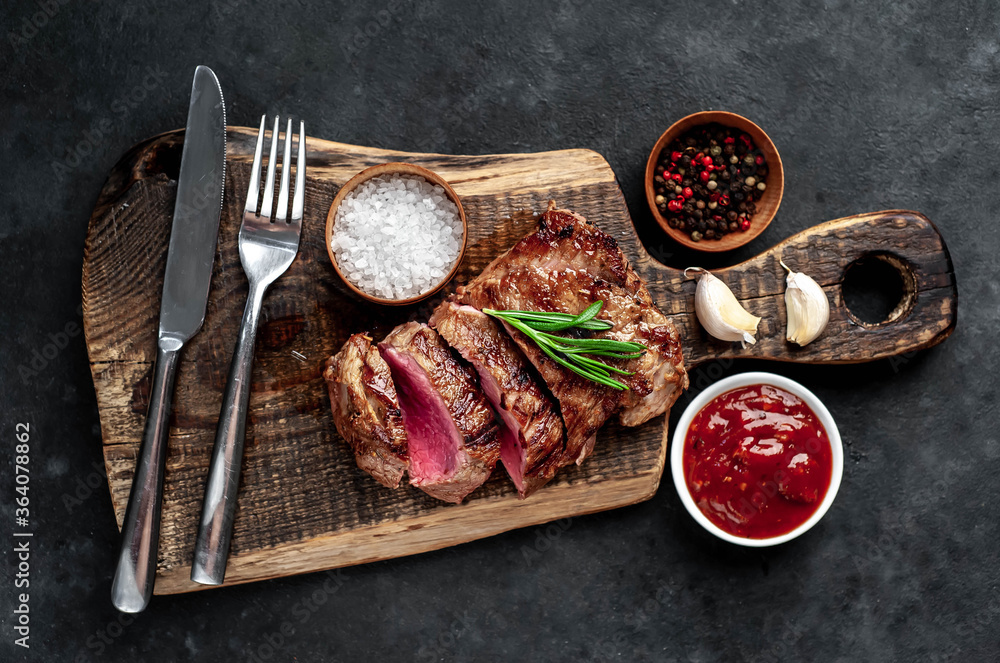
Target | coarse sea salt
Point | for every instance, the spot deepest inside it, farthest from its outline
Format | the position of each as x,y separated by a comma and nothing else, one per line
396,236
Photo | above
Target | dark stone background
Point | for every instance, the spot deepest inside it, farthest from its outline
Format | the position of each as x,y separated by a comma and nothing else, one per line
892,105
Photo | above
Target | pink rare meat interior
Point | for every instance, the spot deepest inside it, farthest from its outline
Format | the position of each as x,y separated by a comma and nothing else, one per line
530,442
432,437
512,451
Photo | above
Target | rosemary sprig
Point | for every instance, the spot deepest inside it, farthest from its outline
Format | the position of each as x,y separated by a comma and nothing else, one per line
572,353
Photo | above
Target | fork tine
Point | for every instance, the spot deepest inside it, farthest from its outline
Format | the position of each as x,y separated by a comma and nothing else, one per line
300,175
281,213
265,207
251,205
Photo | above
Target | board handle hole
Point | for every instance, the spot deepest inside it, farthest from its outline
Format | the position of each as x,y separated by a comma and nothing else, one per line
879,289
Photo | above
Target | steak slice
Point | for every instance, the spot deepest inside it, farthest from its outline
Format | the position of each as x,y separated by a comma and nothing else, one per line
565,266
531,429
452,436
365,409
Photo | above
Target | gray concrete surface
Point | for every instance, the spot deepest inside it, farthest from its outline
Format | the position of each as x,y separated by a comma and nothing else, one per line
872,106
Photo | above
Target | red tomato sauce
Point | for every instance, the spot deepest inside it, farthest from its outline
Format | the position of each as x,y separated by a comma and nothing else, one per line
757,461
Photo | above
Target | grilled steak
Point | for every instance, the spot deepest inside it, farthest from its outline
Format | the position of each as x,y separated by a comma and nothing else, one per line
565,266
452,436
365,409
531,429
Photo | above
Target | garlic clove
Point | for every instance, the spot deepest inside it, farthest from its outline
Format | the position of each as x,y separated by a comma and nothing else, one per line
807,306
720,313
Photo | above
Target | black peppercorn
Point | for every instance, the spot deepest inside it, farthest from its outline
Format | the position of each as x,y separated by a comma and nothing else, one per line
710,176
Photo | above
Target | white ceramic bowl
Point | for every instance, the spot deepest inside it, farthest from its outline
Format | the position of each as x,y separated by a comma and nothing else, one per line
745,380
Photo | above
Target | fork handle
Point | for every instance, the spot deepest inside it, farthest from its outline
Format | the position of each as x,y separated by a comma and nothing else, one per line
136,570
215,530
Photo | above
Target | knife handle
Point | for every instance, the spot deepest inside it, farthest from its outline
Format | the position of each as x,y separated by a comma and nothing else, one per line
136,572
211,549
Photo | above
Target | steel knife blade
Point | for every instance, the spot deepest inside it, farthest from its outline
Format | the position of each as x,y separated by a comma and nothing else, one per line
197,211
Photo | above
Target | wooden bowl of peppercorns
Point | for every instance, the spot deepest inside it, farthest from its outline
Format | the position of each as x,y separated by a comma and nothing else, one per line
714,181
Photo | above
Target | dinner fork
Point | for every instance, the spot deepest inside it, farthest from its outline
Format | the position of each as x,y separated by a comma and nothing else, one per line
269,241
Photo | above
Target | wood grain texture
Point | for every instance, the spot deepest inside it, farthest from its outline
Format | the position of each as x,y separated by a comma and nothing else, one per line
303,504
907,240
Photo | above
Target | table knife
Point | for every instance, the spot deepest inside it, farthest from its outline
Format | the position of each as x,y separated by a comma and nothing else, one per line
186,281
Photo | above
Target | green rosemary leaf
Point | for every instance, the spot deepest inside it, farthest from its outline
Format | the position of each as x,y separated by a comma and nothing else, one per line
590,312
591,325
600,353
595,364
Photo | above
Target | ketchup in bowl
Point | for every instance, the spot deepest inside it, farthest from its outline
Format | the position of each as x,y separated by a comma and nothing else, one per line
757,461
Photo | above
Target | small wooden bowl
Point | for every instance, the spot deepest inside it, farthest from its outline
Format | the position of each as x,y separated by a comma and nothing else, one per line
767,206
395,168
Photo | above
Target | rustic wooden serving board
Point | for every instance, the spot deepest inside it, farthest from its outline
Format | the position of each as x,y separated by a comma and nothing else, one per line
303,504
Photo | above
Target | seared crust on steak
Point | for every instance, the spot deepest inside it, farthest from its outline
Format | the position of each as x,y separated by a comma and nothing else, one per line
565,266
425,371
365,409
532,429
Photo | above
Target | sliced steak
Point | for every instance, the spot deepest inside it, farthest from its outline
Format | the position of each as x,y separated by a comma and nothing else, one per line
565,266
452,436
531,438
365,409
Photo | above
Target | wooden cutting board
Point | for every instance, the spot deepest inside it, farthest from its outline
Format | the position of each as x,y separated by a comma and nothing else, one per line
303,504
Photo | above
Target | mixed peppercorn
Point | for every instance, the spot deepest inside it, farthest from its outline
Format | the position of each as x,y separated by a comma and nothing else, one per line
708,181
